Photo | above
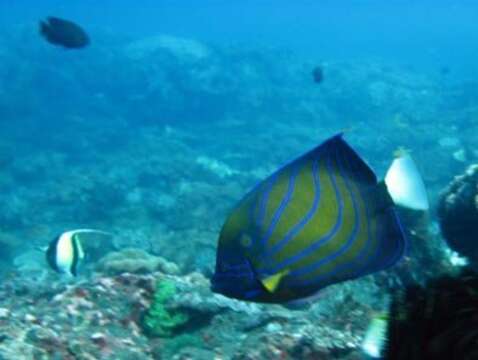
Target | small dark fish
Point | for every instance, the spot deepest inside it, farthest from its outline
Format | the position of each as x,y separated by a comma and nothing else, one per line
318,74
63,33
317,221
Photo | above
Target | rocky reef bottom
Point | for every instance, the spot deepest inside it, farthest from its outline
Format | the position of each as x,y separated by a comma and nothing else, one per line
458,213
159,315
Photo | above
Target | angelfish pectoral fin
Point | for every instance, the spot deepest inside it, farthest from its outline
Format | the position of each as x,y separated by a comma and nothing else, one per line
271,283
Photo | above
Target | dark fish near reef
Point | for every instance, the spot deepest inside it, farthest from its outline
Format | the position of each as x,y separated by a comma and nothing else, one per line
65,253
63,33
317,221
318,74
436,321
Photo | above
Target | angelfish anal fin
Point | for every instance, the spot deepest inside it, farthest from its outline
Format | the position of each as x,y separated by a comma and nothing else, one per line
272,282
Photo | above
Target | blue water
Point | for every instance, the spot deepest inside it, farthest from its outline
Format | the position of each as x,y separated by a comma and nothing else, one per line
176,109
428,34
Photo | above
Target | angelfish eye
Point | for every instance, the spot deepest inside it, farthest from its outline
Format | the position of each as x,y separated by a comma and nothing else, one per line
246,240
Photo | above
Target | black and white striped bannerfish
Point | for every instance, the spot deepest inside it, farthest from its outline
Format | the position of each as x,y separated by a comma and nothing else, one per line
317,221
65,253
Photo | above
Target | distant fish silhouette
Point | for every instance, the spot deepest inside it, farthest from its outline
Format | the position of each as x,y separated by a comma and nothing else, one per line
63,33
318,74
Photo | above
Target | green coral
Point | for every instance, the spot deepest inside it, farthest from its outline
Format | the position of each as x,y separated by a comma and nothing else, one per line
158,320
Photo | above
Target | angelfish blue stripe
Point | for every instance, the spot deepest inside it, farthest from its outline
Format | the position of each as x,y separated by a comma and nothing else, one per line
305,252
284,202
265,198
366,247
361,271
338,269
377,259
358,260
299,226
350,240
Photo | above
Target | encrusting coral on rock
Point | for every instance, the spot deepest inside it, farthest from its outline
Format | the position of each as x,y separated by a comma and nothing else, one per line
134,261
161,316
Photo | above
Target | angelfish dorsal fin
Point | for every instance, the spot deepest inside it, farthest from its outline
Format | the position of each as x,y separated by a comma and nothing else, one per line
272,282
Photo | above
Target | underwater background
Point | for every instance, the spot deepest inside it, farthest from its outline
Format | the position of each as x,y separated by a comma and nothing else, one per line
172,113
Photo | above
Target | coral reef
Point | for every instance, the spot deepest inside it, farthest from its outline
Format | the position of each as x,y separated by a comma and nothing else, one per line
134,261
458,213
114,317
158,320
159,155
186,49
436,321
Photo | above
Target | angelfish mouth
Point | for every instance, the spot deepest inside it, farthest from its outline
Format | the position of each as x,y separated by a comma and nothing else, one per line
216,285
220,285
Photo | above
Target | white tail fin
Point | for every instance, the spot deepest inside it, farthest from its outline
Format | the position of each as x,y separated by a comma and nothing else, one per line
405,185
375,338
